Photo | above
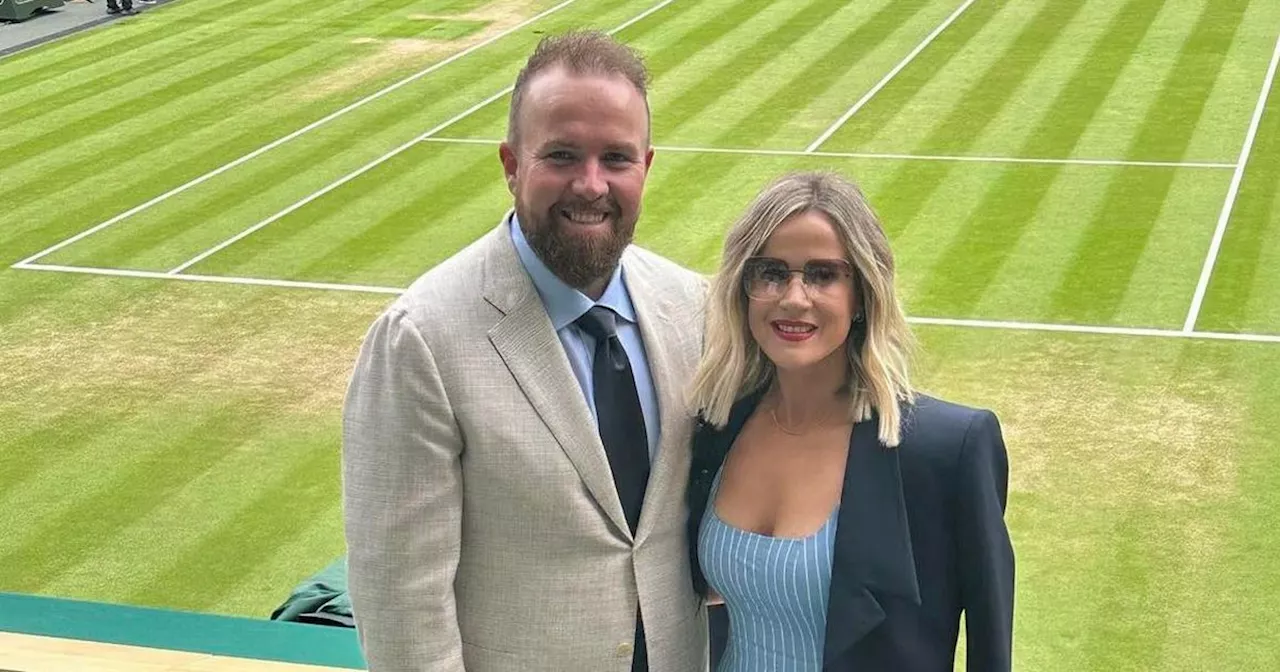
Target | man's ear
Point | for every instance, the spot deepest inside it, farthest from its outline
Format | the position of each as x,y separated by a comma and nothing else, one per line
648,159
510,161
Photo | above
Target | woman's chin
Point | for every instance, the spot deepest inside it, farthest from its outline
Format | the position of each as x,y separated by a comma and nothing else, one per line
795,362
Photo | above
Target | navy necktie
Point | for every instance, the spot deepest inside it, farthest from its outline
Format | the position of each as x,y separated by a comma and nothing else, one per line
622,431
618,412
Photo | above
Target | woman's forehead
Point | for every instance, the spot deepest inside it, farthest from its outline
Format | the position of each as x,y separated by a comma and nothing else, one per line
803,236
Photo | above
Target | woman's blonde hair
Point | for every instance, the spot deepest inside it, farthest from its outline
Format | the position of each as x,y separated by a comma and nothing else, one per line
878,348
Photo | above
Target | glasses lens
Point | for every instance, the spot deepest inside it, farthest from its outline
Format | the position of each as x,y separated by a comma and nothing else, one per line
823,273
765,278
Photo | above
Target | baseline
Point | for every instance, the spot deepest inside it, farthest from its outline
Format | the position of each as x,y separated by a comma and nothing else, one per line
896,157
930,321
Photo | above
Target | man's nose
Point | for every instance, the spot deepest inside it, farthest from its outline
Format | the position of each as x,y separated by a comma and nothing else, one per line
590,183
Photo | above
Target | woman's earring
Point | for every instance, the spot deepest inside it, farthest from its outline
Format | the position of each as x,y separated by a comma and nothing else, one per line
857,318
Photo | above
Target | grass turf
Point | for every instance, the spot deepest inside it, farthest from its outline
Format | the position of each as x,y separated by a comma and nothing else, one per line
175,444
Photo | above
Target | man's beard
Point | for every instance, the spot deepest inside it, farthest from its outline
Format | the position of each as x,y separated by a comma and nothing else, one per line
578,260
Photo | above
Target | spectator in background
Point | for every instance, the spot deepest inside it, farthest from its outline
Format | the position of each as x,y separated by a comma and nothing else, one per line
120,7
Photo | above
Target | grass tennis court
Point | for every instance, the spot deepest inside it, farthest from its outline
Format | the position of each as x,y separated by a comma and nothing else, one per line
203,207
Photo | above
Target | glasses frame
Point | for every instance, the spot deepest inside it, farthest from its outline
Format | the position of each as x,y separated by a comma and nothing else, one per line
845,267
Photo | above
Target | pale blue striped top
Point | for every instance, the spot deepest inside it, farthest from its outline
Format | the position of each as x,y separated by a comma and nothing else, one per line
776,590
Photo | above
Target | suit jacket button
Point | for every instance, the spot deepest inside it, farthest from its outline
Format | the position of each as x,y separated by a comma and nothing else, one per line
624,649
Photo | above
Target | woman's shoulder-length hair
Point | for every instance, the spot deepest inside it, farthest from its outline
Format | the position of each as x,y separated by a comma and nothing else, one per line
878,348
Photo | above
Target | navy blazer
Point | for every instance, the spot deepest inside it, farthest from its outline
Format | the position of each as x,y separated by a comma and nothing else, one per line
921,538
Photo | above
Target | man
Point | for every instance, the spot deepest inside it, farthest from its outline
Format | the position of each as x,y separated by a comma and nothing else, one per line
516,445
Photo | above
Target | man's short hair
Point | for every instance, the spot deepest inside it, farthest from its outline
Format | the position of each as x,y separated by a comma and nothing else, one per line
585,52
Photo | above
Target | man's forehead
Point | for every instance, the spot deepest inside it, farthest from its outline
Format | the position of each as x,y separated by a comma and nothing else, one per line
562,107
558,81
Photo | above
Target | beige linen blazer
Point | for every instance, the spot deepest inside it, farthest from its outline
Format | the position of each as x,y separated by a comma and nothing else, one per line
484,532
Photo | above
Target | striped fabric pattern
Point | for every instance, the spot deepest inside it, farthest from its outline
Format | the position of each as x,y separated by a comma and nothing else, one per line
776,590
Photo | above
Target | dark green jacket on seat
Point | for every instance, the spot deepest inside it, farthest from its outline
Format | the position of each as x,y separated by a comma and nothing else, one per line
321,599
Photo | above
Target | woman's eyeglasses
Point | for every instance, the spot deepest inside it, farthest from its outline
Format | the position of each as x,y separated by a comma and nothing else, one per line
767,278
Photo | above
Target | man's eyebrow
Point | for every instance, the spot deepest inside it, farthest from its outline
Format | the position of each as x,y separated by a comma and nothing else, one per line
556,144
625,148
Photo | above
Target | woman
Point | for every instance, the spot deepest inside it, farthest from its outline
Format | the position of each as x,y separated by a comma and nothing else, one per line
845,520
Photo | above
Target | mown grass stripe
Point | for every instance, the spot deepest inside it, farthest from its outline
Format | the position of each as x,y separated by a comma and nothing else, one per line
170,123
173,94
888,77
158,64
201,508
185,449
258,591
1250,640
640,26
235,188
30,228
906,87
139,62
124,497
748,58
787,102
440,195
1116,237
394,228
697,39
390,229
15,305
914,184
28,453
274,516
117,171
703,35
1128,628
85,153
101,46
973,259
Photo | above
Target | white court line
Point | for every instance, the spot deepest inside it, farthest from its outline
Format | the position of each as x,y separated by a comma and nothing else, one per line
221,279
1093,329
929,321
328,188
887,78
373,164
1218,233
276,143
896,157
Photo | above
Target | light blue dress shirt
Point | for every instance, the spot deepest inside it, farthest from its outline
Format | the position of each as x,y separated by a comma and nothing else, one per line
565,304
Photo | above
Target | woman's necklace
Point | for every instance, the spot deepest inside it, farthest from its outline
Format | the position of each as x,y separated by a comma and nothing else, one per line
773,413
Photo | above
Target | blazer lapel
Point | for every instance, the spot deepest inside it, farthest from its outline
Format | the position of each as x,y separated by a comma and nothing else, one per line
873,543
528,345
665,350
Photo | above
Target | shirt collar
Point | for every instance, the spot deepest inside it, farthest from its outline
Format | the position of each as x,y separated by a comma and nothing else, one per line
565,304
